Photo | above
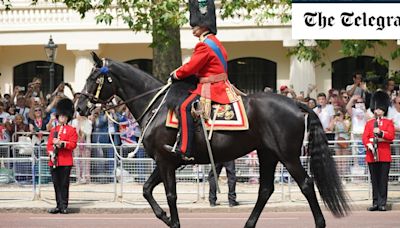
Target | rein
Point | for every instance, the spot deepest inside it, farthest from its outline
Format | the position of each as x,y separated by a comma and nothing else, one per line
161,90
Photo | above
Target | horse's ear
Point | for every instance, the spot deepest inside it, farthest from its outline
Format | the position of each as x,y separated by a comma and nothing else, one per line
96,59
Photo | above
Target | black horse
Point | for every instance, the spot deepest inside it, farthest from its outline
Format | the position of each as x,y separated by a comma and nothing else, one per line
277,126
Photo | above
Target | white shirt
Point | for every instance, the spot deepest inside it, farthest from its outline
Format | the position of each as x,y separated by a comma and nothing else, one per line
358,120
395,116
325,115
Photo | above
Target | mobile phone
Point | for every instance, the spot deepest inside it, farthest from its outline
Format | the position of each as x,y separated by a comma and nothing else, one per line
22,88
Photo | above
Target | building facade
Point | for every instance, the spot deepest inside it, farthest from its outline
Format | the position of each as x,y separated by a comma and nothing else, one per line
258,55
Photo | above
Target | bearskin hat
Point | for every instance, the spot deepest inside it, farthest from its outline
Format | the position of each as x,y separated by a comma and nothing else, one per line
380,100
202,13
65,107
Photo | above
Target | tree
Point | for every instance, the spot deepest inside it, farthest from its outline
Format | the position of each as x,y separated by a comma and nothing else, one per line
262,10
163,18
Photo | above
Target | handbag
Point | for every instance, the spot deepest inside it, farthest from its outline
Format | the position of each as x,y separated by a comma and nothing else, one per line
25,146
342,145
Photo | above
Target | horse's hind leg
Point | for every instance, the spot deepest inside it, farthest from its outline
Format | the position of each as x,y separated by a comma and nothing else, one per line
148,188
306,185
266,188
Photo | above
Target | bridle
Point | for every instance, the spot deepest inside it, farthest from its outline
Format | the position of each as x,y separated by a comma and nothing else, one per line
105,104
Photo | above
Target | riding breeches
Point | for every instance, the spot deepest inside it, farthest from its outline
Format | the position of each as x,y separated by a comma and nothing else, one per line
187,124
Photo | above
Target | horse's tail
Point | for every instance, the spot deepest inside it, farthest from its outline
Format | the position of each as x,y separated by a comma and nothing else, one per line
323,167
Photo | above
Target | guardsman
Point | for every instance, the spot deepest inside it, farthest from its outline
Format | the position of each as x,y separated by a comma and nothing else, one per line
378,134
61,143
209,63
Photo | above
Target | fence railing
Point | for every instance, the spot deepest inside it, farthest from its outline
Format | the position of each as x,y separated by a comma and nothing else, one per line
99,172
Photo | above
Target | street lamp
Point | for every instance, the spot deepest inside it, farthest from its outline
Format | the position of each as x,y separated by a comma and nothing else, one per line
51,51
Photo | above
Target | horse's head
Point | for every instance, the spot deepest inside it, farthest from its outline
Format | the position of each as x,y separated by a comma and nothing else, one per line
100,87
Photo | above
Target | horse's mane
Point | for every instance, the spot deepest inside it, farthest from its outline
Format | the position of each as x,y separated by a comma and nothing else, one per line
179,91
128,67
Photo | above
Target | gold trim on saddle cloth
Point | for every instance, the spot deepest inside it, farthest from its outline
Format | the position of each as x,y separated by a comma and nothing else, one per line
230,117
205,100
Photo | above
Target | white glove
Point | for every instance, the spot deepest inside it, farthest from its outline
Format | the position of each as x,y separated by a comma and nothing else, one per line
371,147
52,156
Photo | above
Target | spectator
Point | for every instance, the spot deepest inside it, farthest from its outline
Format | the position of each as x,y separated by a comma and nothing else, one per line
325,114
34,90
18,126
285,91
12,111
268,89
100,135
358,113
62,141
344,97
37,124
378,135
390,88
394,114
312,103
22,109
83,128
358,87
340,126
231,174
4,116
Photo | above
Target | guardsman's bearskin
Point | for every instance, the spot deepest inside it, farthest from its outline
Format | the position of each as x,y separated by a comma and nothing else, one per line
202,13
65,107
381,100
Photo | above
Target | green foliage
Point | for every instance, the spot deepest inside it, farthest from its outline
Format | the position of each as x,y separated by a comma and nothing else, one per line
259,10
7,4
313,53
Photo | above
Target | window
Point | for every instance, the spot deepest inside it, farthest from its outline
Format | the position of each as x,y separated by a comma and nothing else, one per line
343,70
252,74
144,64
24,73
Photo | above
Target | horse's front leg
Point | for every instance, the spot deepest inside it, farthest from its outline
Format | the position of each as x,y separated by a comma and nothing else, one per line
148,188
169,180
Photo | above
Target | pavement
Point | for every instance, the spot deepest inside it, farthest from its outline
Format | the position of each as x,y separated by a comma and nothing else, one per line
108,198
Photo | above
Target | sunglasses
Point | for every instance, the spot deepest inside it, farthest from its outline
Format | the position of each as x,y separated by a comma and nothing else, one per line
38,110
345,97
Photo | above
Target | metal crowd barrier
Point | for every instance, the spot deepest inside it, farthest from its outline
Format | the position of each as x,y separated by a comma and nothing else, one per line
100,173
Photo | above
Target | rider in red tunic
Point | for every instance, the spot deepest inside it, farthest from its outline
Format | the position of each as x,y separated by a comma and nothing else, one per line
379,131
209,64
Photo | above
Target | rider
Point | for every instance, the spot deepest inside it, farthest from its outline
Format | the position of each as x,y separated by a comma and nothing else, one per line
209,64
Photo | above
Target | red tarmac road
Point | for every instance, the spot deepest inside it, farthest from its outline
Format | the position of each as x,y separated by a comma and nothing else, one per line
360,219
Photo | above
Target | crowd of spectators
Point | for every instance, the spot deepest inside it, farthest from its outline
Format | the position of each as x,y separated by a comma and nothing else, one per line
343,114
32,113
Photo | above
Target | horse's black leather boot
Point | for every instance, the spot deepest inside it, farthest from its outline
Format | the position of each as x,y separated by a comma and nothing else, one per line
183,156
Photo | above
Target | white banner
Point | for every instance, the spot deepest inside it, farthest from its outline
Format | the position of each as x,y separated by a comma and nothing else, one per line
345,21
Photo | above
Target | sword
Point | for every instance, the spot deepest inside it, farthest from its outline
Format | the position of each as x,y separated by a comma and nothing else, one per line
210,154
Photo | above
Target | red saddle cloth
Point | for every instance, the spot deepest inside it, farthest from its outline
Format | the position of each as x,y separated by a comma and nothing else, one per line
230,117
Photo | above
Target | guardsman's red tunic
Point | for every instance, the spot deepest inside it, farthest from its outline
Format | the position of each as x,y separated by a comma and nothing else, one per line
68,135
387,127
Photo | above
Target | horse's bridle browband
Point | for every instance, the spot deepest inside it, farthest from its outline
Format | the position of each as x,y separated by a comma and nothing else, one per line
104,72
